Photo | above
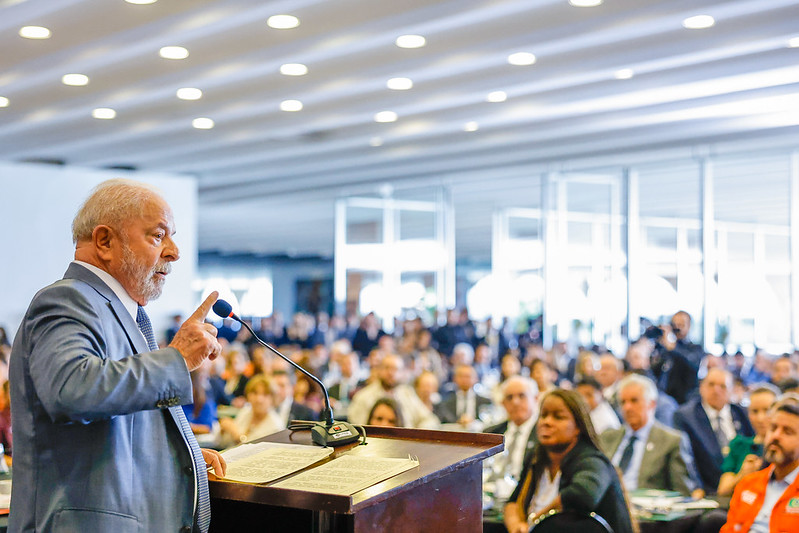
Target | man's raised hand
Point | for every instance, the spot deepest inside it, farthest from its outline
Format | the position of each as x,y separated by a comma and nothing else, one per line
196,340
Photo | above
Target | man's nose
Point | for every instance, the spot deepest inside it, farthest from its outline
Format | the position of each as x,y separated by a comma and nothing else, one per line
171,251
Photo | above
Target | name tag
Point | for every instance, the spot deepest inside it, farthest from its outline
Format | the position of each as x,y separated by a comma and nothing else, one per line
792,506
748,497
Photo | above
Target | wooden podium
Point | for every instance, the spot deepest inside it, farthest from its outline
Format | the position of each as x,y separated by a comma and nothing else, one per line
443,494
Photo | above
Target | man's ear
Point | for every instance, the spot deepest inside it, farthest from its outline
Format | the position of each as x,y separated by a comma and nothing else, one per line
102,239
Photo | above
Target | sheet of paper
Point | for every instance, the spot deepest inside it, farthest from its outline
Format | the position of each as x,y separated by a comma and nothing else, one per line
267,461
348,474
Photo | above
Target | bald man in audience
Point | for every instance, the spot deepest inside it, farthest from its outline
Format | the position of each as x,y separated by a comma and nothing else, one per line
711,422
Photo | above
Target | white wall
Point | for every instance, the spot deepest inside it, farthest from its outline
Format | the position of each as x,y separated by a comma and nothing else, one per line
37,205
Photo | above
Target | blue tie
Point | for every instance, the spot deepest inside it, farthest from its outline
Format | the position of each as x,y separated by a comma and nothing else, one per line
203,500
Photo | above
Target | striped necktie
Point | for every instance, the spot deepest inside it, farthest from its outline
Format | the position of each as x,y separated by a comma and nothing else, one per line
203,517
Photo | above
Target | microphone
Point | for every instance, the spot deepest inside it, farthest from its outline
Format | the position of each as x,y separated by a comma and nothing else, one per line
326,433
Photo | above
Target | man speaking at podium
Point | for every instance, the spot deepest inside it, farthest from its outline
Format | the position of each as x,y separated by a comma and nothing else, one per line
101,442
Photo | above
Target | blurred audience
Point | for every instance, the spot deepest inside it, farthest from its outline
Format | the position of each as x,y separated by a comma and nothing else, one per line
256,419
385,413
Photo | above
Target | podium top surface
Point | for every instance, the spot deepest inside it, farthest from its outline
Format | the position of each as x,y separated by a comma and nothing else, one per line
439,453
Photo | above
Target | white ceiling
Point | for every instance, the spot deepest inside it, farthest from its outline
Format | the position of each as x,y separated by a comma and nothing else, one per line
268,179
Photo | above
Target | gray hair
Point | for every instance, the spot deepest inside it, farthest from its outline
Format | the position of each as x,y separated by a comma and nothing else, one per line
646,384
529,384
111,203
466,349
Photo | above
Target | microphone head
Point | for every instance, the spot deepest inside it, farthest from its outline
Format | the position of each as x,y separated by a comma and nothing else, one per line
223,309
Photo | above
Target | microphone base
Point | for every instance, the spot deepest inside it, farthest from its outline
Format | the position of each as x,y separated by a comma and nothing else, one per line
335,434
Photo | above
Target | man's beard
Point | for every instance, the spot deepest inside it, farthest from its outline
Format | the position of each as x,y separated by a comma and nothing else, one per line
775,455
148,286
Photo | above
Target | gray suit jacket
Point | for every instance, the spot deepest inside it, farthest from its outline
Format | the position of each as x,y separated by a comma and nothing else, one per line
93,452
662,465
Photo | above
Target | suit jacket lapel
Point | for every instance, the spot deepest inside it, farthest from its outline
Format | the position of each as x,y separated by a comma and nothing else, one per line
614,440
652,444
127,323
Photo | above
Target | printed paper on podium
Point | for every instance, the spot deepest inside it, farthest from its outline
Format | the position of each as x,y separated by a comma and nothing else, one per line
267,461
348,474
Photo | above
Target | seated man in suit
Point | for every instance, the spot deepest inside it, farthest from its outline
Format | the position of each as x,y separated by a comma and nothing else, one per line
519,396
462,406
287,409
649,455
711,422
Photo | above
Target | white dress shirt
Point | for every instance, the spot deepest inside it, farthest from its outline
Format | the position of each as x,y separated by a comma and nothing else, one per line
604,417
515,456
727,424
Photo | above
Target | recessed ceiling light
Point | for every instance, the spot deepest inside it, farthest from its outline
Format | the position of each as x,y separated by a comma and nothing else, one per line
202,123
585,3
3,101
173,52
189,93
794,43
471,126
104,113
623,74
282,22
497,96
376,141
293,69
386,116
410,41
34,32
75,80
699,22
141,2
400,84
291,105
521,58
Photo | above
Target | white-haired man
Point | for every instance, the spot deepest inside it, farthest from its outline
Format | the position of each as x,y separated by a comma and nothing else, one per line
519,394
100,437
649,455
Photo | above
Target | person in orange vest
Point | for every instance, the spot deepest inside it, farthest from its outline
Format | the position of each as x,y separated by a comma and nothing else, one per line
768,500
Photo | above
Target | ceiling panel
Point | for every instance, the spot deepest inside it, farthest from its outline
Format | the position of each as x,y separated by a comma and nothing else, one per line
269,179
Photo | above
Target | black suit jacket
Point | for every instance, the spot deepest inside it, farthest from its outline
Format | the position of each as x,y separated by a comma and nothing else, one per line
692,419
447,409
676,370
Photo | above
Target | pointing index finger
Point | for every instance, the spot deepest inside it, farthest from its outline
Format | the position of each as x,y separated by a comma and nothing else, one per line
202,311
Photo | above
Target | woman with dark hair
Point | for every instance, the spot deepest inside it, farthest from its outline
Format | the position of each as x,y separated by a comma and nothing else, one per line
567,471
386,413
